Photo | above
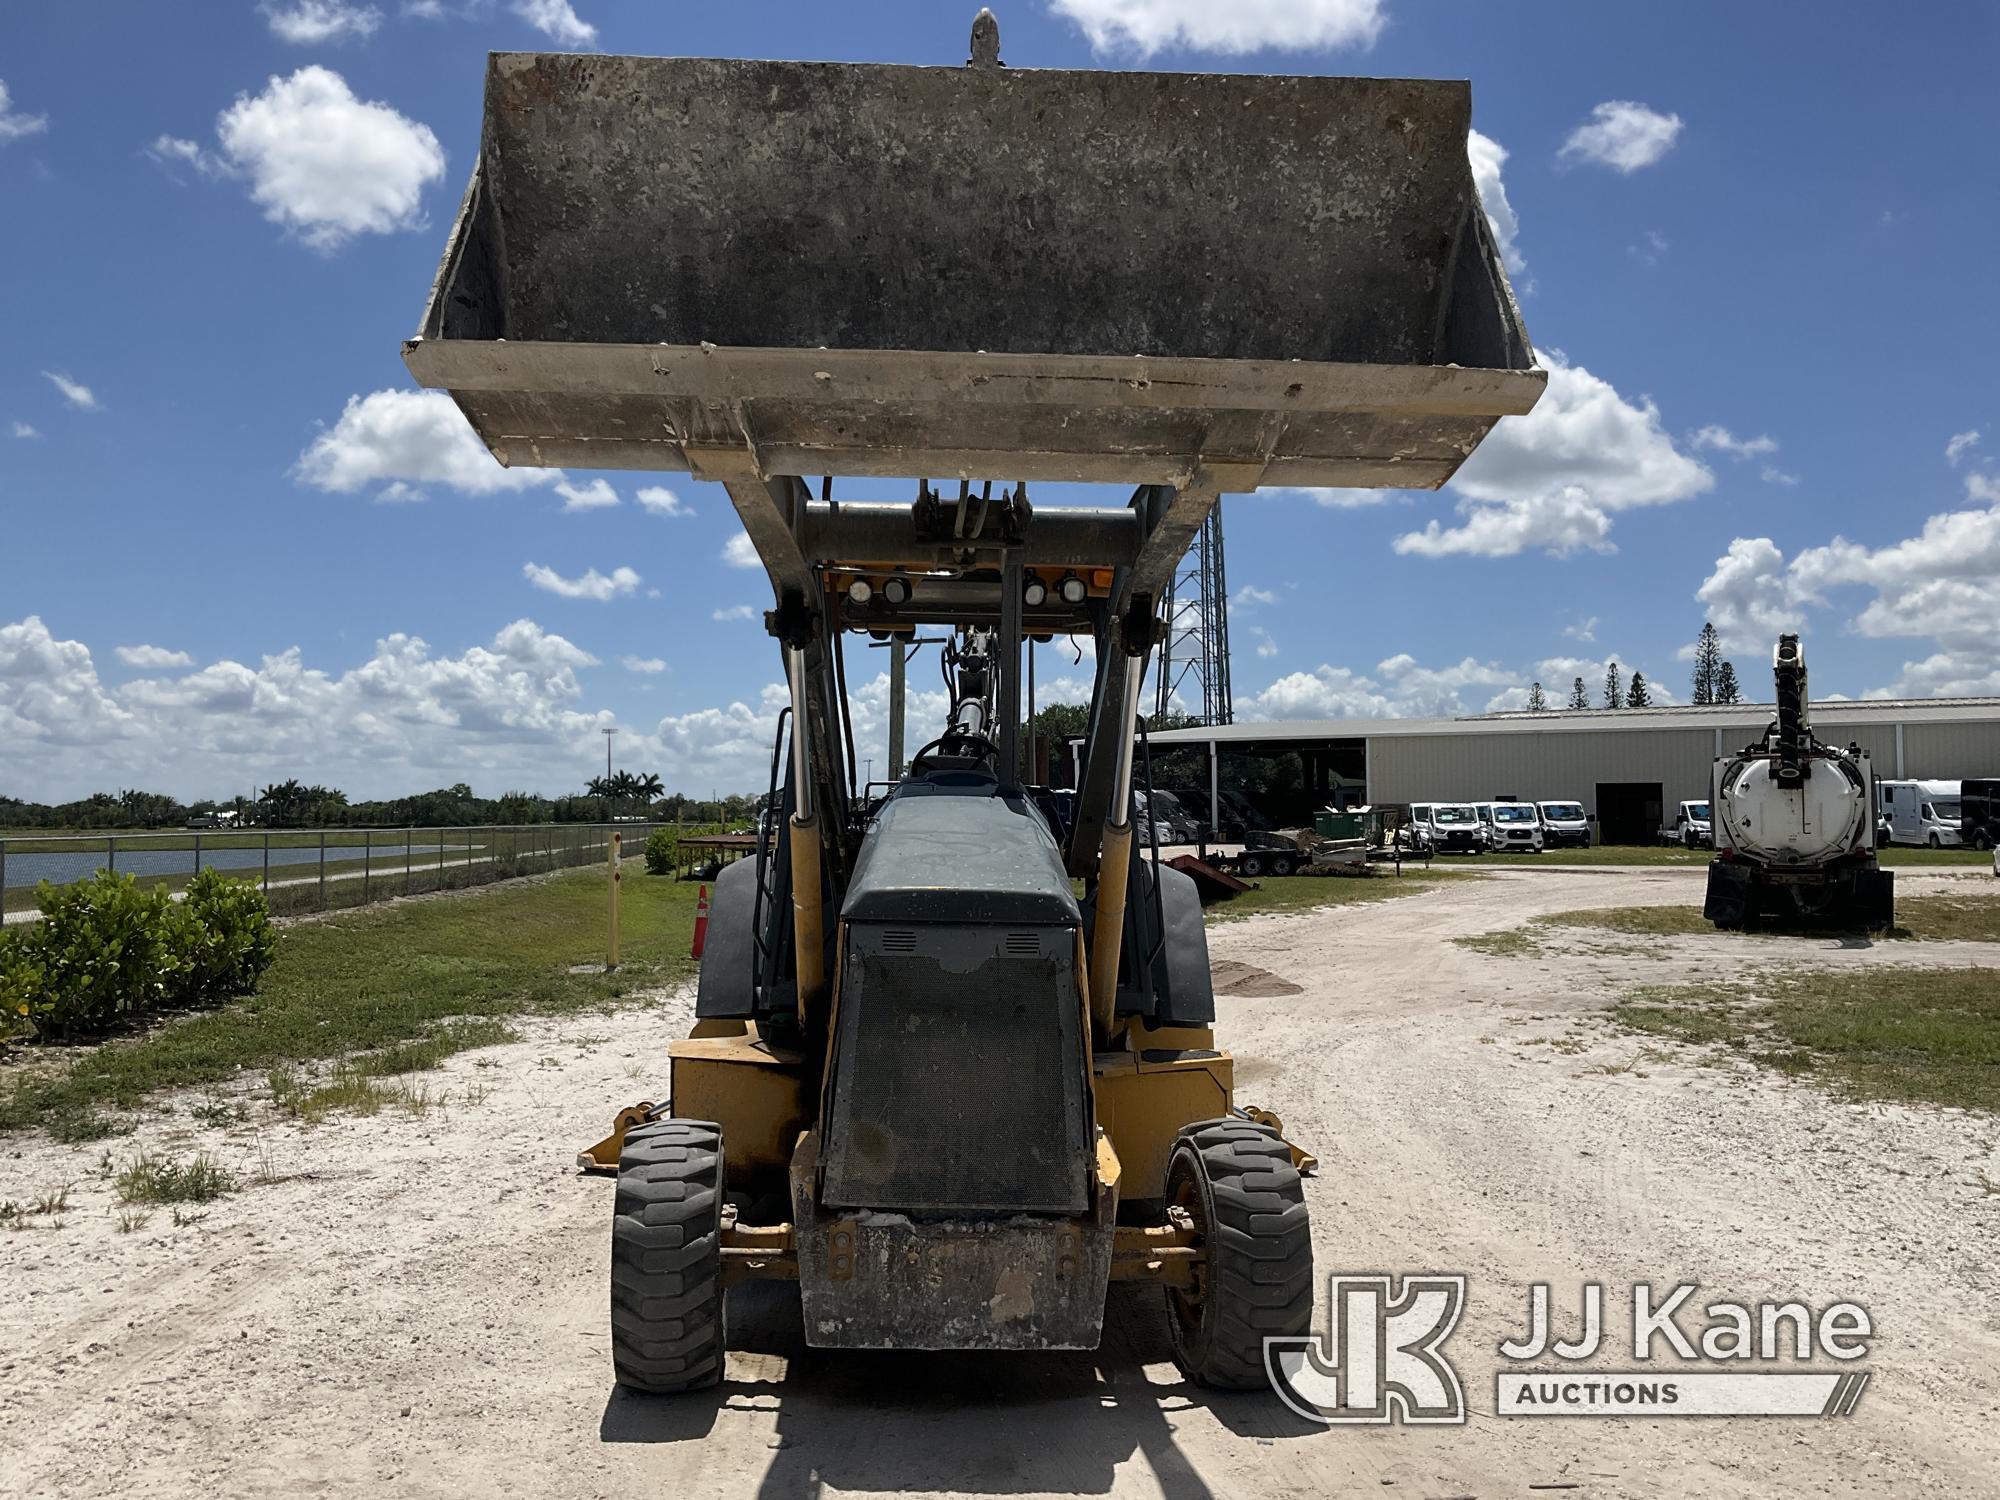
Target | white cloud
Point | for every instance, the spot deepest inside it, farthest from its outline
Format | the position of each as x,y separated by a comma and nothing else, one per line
1961,443
1983,487
1772,474
1144,27
153,657
648,666
1748,598
661,501
172,150
1582,630
400,438
23,430
1554,478
13,124
592,585
1267,646
321,163
1488,156
740,552
1623,135
1649,250
557,20
1250,595
734,612
75,392
596,495
1722,440
1332,498
310,22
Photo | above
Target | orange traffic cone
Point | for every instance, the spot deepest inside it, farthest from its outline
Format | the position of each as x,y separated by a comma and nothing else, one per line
700,921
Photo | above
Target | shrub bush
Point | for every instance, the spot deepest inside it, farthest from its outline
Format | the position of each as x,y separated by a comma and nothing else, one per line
108,949
234,941
662,850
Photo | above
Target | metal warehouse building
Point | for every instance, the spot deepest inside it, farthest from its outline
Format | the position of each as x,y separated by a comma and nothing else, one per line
1626,767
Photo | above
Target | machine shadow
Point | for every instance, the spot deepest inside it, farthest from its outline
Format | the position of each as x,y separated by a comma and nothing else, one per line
989,1424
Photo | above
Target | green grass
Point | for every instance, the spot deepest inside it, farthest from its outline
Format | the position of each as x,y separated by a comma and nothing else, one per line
149,1179
408,985
1653,854
1912,1036
1301,893
1963,919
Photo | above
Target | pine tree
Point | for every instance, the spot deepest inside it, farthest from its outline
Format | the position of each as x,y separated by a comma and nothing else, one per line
1537,702
1614,687
1707,663
1638,695
1577,697
1726,690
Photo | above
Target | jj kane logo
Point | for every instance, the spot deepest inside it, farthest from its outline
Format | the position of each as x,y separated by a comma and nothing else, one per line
1383,1358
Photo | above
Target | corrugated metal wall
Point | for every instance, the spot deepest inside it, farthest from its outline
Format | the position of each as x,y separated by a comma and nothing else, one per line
1545,767
1951,751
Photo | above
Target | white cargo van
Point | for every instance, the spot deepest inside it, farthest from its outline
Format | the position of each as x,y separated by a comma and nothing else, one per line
1921,812
1512,826
1563,823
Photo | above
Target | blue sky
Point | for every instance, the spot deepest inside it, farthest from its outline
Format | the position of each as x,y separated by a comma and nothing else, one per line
1761,275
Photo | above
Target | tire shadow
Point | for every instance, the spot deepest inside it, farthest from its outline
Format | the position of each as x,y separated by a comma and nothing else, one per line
986,1424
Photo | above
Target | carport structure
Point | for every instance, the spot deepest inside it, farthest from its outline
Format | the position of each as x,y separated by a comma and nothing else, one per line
1626,766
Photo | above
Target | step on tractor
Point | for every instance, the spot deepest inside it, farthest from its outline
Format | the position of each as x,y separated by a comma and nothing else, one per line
1794,824
953,1069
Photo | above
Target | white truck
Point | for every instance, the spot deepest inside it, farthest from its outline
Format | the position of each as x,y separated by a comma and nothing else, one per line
1511,826
1564,824
1921,812
1795,824
1692,828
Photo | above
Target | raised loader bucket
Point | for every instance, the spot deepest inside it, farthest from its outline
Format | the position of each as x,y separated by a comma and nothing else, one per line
980,272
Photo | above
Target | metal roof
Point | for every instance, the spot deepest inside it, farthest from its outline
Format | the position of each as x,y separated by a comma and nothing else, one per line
1830,714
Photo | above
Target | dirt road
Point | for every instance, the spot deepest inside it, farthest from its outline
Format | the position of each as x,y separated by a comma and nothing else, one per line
417,1306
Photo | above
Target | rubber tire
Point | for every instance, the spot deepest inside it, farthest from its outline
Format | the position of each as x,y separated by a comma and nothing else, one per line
1252,866
1982,841
1281,864
666,1258
1935,842
1260,1269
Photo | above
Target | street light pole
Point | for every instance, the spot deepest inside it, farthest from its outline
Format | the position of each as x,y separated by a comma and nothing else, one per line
608,733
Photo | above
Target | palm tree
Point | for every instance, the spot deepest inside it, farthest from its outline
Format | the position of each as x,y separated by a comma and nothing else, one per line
651,788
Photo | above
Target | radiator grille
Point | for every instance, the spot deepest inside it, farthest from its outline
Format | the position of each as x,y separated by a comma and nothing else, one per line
958,1081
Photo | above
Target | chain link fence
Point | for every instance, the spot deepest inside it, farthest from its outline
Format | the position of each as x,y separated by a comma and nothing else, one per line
313,870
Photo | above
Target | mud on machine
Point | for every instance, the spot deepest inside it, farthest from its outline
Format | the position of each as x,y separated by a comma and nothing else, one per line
949,1097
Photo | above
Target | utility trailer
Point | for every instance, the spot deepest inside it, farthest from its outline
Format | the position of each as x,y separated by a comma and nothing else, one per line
927,1082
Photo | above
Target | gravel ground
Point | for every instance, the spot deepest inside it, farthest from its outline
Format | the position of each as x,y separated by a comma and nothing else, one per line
415,1305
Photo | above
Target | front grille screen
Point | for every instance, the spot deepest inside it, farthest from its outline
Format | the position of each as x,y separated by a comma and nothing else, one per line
958,1083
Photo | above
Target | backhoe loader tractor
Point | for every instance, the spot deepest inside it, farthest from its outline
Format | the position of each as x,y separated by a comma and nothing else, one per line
948,1095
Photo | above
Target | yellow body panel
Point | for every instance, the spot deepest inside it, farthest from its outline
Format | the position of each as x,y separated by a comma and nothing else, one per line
1142,1105
760,1102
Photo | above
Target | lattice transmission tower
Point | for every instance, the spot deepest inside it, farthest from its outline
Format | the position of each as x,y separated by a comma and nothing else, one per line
1194,655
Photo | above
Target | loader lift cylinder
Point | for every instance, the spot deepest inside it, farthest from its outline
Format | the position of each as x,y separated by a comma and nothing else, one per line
1115,867
808,931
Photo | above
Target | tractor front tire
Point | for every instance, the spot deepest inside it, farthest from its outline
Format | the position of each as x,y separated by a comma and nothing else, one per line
666,1258
1235,1180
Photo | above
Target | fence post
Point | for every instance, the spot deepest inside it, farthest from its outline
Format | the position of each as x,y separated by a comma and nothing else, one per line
111,854
3,880
613,847
267,866
322,869
367,863
197,854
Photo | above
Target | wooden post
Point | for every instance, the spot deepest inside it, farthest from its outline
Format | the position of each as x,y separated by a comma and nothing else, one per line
616,846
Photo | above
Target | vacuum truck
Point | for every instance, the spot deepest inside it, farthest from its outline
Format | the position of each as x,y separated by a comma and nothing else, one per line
1794,823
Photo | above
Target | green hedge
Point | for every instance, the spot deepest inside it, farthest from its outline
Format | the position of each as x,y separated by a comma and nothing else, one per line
108,949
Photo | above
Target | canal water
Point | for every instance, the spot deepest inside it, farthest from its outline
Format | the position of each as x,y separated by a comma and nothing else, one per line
26,868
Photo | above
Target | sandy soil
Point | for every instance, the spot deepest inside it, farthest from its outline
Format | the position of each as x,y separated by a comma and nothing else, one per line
417,1306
